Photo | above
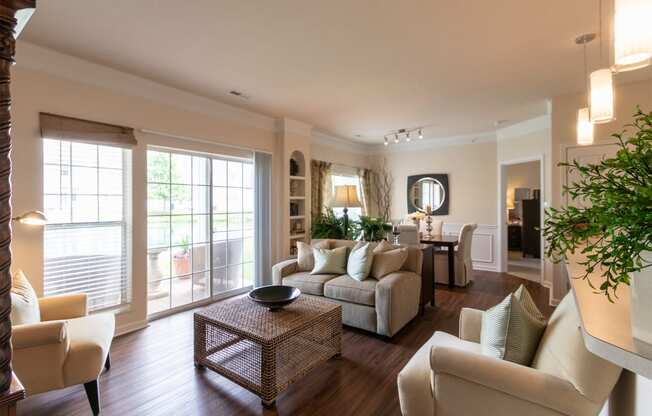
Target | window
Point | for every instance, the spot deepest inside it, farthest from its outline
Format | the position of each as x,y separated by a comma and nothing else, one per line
347,179
200,227
87,201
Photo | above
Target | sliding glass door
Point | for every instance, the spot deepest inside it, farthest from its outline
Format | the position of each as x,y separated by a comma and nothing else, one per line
200,227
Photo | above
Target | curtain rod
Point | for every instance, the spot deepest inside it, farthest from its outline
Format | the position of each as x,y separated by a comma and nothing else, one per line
198,140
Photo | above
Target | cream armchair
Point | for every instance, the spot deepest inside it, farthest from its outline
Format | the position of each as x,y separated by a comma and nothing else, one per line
448,376
67,347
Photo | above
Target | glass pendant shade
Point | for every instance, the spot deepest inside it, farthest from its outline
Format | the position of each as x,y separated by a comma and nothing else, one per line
584,127
602,96
632,34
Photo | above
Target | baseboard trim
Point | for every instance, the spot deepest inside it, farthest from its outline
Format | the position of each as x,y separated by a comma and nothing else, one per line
131,327
485,267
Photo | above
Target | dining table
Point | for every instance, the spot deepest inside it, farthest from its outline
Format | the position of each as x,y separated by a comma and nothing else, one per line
449,242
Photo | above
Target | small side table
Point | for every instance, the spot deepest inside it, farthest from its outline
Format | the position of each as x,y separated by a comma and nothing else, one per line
10,398
427,277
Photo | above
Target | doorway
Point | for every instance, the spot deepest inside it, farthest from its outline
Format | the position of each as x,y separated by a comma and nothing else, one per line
521,205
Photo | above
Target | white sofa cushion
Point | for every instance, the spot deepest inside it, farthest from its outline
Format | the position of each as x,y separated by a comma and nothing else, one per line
305,258
348,289
360,261
24,302
512,329
330,261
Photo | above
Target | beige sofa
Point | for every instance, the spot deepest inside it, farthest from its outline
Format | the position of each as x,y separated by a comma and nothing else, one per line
383,306
448,376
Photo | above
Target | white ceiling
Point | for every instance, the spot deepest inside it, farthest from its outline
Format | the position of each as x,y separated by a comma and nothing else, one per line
348,67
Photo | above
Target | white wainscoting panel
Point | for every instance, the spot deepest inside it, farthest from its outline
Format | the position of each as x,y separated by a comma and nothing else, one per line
483,250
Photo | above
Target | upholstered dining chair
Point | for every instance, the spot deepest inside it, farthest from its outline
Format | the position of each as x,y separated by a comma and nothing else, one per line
56,344
409,234
437,226
463,262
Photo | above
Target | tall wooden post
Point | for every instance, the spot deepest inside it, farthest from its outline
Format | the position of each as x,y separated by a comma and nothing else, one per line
13,16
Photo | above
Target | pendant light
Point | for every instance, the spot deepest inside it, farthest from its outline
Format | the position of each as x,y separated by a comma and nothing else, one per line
602,88
632,34
584,126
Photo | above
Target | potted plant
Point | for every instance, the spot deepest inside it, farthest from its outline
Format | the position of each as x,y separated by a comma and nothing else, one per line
327,225
372,228
181,259
612,224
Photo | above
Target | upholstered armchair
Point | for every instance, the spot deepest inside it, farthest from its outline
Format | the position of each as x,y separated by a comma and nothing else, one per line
463,262
449,376
62,346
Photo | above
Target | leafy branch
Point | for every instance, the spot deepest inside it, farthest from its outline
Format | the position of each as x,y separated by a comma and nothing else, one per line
611,224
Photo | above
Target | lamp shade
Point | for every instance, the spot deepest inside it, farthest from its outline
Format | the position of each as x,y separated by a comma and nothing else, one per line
346,196
632,34
602,96
584,127
32,218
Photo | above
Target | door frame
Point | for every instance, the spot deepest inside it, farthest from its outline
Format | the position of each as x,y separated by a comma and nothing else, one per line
502,208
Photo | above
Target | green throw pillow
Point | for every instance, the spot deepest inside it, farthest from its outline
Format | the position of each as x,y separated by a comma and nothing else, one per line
512,329
329,261
360,260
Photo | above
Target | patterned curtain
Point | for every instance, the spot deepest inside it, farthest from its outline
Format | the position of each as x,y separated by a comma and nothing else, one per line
366,176
320,186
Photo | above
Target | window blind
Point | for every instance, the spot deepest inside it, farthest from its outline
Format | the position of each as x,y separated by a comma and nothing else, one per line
68,128
87,241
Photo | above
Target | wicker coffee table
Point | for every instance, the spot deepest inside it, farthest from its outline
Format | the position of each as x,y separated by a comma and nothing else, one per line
265,351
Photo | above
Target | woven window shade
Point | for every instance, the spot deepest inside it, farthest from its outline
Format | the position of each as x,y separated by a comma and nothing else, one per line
67,128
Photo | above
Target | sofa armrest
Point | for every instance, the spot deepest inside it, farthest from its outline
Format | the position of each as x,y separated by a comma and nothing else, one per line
397,301
510,379
38,334
470,324
70,306
283,269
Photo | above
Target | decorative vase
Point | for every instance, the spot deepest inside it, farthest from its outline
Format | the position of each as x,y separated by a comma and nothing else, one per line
641,308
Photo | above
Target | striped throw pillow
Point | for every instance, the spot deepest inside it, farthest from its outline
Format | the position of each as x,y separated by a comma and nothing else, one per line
512,329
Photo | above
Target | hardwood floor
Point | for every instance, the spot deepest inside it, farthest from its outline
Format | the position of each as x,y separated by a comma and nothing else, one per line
152,370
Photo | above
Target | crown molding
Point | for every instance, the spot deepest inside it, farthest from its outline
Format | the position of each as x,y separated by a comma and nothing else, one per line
34,57
338,143
523,128
415,145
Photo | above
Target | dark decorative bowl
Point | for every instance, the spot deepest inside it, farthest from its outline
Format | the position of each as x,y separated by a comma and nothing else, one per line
274,297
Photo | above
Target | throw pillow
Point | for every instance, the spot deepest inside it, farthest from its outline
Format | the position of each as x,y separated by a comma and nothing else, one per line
330,261
305,258
383,246
360,261
24,303
387,262
512,329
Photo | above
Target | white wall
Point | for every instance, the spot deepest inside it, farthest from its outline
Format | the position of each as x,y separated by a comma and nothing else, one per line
633,398
471,169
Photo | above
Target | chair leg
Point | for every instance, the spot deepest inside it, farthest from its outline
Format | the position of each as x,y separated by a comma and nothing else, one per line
93,392
107,363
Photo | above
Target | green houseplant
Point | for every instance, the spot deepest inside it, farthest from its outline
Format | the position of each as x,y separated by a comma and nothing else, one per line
327,225
611,224
372,228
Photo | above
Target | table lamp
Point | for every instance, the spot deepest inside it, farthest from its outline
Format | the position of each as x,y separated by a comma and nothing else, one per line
346,196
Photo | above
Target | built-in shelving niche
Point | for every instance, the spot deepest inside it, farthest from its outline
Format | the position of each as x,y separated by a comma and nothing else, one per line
297,200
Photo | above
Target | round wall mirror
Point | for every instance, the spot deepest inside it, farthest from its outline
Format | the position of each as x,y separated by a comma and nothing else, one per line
427,191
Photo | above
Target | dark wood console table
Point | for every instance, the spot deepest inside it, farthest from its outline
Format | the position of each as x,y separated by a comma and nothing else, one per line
448,241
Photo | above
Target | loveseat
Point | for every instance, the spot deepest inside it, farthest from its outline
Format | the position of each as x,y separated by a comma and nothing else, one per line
381,306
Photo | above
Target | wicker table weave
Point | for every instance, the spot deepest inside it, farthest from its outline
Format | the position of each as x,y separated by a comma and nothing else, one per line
265,351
